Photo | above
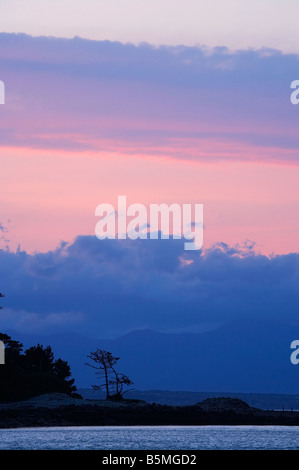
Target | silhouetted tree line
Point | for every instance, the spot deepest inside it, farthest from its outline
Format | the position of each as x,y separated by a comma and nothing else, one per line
33,372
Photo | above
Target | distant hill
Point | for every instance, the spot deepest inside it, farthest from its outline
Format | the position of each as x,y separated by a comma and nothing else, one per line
243,357
263,401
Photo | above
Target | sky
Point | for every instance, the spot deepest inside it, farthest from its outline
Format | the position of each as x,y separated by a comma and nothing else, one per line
104,290
179,102
232,23
86,121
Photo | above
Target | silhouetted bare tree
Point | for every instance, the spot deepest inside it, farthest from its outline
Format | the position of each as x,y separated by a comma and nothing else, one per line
104,364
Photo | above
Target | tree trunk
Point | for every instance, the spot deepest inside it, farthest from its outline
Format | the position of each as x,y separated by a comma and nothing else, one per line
107,384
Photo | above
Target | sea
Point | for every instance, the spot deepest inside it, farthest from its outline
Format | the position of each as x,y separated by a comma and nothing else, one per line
152,438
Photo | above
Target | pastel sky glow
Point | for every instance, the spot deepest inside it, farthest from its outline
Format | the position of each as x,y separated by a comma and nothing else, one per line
242,201
86,121
232,23
163,102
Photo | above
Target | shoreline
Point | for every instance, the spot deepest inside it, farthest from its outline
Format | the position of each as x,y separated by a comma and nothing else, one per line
57,410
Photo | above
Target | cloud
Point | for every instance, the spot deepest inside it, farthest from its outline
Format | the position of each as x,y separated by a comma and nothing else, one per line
190,103
107,288
250,23
4,230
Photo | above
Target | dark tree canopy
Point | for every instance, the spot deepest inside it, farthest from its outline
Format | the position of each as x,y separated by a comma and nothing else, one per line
32,373
39,358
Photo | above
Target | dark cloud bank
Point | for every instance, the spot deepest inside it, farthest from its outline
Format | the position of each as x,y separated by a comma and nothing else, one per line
224,322
107,288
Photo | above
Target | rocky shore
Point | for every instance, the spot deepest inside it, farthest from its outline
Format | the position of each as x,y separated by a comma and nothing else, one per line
61,410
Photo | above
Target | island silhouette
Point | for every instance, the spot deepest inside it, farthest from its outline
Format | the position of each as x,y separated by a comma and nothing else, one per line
38,390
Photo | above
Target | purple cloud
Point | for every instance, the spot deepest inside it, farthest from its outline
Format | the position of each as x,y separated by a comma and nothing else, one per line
106,288
76,94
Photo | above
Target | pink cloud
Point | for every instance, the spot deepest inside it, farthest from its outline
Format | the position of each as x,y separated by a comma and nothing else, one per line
86,121
88,95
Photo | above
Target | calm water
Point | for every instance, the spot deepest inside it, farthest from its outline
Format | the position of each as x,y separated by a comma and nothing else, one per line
152,438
